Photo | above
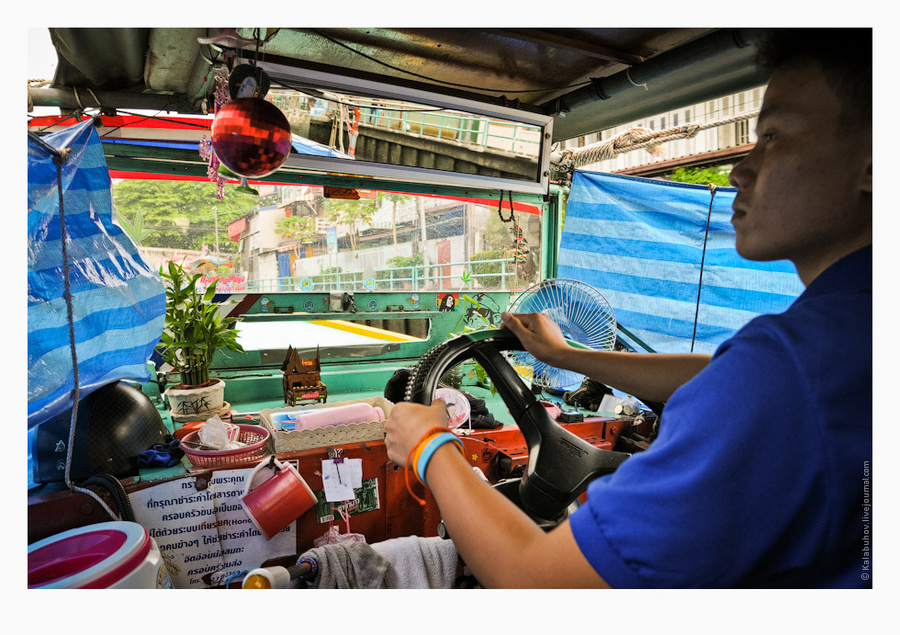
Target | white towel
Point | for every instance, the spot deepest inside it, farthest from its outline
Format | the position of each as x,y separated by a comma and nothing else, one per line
419,563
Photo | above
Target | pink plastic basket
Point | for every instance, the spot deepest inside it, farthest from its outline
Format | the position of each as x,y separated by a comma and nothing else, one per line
255,437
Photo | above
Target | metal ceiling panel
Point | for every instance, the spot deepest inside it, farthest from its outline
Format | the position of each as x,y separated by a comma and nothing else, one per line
595,77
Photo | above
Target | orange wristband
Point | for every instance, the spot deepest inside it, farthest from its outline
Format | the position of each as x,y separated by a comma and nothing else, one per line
413,455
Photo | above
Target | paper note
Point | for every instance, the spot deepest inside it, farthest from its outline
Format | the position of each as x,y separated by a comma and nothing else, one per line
340,477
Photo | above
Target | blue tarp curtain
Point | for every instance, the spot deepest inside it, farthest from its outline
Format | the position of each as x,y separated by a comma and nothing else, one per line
640,242
118,301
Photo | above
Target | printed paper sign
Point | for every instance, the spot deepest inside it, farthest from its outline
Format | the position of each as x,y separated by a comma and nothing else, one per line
205,536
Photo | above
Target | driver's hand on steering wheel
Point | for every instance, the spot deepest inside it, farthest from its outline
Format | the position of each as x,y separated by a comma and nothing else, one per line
408,423
540,336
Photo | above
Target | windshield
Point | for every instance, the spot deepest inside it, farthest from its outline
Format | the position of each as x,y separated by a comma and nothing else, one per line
301,263
316,239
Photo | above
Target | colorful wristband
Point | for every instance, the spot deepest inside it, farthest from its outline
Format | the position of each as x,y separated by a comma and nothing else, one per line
433,444
413,456
418,453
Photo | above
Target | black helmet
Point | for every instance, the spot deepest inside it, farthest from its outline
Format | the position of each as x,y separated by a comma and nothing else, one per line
115,424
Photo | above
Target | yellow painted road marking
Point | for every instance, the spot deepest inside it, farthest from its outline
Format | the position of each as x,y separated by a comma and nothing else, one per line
363,329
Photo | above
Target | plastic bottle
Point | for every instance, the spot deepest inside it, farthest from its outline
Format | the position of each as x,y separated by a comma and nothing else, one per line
351,413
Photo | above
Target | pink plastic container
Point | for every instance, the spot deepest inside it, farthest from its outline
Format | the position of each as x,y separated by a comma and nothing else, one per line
111,555
320,417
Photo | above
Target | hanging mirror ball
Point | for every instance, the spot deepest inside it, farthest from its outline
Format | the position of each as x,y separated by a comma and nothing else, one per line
251,137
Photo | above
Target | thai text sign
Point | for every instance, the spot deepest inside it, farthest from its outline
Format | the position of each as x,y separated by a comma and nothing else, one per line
225,284
204,535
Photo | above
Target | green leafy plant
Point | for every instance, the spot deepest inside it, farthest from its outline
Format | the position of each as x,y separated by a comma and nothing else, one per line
193,330
453,376
134,229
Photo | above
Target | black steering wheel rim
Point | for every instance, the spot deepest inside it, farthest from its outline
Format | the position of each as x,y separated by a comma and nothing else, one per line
560,464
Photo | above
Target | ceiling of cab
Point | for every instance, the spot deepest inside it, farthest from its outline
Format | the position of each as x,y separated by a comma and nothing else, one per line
587,79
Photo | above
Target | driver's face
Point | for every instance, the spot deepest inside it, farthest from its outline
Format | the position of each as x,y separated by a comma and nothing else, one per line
802,190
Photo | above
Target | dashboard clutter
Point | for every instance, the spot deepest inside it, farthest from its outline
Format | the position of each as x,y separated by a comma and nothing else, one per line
628,406
110,555
480,417
302,379
216,434
279,422
458,407
588,395
252,439
167,454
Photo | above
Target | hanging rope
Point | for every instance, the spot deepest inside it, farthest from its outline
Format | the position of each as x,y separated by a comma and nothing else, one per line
58,160
638,138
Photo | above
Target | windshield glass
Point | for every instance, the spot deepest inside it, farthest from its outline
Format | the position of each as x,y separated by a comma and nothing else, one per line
314,239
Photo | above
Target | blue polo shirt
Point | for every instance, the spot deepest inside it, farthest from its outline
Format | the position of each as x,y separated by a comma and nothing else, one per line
760,475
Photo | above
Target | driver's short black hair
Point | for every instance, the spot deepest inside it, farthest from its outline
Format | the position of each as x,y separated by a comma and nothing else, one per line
845,55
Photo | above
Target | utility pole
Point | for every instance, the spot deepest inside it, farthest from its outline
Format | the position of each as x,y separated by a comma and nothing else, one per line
423,236
216,216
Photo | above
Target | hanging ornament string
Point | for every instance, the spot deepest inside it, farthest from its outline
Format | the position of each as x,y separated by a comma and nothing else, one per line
500,208
222,97
518,256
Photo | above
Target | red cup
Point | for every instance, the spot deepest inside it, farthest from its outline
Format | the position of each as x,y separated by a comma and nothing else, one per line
279,500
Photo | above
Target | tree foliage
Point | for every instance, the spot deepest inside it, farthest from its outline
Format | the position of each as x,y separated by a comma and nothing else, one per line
702,176
349,212
181,214
301,228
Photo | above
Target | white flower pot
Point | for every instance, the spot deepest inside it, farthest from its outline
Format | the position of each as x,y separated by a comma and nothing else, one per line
189,404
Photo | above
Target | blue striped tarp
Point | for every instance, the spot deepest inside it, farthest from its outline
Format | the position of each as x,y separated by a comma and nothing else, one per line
640,242
118,300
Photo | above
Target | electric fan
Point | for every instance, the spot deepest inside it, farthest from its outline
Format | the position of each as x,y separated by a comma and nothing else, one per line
582,314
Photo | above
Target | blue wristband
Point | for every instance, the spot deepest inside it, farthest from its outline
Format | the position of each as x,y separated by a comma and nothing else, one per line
428,450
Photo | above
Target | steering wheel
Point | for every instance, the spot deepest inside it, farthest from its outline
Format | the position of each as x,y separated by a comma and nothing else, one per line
560,464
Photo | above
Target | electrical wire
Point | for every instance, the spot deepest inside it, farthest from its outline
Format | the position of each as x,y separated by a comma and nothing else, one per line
77,116
712,198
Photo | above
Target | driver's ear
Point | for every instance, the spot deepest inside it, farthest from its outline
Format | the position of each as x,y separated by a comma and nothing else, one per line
866,180
863,162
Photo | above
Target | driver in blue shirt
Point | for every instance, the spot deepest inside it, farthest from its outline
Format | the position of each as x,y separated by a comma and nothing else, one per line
758,475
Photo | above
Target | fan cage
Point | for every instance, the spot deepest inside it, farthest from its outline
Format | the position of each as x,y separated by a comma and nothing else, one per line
582,314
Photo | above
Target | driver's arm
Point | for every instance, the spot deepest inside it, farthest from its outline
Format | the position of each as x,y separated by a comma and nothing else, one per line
502,546
651,377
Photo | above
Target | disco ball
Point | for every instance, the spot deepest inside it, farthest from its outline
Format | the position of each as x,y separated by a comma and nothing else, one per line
251,137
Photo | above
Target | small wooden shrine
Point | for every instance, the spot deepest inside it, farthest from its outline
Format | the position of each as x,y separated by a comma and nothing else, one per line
302,379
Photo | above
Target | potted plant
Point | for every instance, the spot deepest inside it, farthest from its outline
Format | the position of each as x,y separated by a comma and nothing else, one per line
192,334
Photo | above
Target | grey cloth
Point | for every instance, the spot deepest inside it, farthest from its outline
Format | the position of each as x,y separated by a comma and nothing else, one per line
348,565
400,563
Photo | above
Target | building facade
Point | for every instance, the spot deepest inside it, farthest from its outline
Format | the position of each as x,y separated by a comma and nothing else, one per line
713,145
